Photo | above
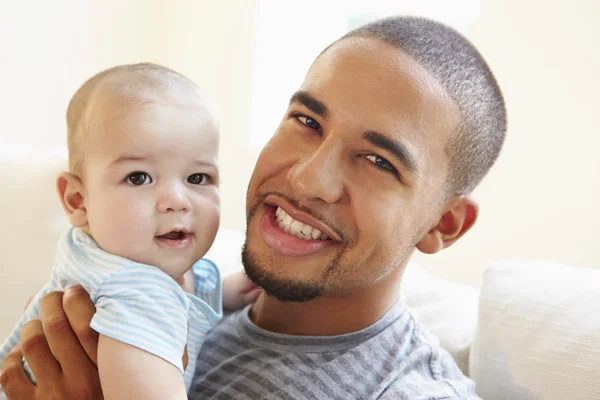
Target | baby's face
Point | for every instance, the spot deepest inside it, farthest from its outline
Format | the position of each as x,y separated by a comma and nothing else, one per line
151,183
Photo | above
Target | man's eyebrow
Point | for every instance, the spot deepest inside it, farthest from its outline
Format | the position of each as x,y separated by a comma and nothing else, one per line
398,149
309,101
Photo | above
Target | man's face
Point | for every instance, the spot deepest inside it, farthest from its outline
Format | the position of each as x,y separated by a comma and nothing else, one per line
352,178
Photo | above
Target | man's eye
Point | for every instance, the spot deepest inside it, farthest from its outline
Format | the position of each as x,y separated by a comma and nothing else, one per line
138,178
308,121
381,163
198,179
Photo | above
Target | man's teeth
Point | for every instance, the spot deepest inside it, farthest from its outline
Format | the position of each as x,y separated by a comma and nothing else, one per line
297,228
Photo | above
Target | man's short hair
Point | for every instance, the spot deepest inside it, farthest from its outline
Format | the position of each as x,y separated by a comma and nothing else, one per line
131,84
465,75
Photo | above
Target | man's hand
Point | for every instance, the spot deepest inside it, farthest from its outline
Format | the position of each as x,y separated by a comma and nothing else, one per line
61,350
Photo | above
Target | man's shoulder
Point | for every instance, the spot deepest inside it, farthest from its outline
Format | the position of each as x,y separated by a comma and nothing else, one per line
421,385
424,370
396,393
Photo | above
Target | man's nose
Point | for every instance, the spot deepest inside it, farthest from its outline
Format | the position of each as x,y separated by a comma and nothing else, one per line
319,175
173,198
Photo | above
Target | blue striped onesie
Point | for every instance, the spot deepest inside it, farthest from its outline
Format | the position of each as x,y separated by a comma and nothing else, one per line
135,303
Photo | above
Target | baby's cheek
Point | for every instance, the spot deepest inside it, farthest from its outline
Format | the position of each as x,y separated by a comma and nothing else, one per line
208,217
120,226
209,212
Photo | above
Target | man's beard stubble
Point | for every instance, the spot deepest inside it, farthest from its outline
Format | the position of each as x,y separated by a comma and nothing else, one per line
281,289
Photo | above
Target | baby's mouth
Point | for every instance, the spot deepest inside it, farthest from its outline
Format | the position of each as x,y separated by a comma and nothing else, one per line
176,239
174,235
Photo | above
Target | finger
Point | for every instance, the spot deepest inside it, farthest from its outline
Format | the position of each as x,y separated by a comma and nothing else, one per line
185,359
242,299
80,310
252,295
247,284
37,352
62,340
13,379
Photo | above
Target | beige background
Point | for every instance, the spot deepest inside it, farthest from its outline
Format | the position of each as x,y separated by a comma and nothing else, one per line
539,201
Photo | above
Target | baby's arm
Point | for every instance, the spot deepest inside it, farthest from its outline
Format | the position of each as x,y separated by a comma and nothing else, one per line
238,291
142,319
127,372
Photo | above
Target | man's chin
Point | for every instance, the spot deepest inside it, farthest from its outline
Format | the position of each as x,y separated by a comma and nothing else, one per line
281,289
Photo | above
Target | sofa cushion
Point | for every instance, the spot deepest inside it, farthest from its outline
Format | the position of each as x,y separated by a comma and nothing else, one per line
539,333
448,309
33,221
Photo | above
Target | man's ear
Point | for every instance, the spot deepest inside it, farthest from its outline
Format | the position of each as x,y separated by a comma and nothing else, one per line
460,216
71,194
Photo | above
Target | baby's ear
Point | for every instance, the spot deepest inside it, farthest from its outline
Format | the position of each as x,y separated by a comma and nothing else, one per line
71,194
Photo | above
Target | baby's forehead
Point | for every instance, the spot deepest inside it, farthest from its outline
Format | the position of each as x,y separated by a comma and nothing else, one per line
152,124
114,105
141,84
126,96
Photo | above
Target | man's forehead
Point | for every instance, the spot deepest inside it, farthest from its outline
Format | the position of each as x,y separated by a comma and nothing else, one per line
374,60
373,86
383,80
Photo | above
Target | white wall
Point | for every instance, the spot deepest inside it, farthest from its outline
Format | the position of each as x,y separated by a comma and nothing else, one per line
49,48
541,199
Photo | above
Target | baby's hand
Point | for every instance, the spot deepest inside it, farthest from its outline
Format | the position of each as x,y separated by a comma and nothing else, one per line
238,291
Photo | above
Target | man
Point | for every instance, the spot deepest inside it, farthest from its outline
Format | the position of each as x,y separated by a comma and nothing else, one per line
393,127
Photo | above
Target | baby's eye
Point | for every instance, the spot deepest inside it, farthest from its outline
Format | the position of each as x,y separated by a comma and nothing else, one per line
198,179
138,178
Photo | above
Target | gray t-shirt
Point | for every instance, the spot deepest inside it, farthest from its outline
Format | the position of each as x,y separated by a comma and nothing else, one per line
395,358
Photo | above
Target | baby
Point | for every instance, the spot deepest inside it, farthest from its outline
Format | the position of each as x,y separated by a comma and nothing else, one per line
142,196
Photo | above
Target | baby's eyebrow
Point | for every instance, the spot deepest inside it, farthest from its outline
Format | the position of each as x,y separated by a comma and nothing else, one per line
129,158
132,158
207,163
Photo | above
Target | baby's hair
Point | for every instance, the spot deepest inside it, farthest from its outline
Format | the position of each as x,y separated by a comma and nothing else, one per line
129,85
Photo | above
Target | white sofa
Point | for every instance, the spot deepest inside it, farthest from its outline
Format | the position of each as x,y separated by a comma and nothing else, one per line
531,332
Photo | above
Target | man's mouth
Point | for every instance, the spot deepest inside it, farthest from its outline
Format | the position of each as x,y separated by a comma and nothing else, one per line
297,228
291,237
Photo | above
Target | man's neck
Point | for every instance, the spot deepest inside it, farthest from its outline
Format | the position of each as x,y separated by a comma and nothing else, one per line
329,315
